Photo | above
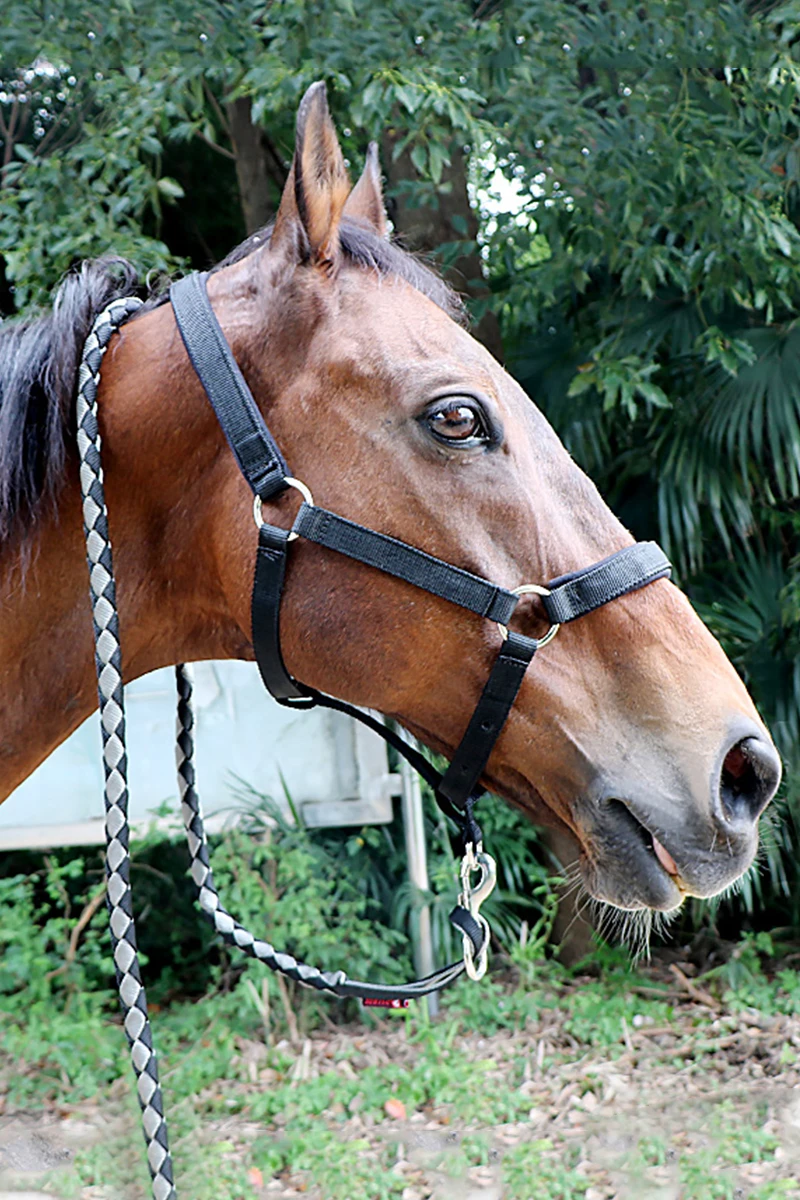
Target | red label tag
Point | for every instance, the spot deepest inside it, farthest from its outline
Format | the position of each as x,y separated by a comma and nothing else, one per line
375,1003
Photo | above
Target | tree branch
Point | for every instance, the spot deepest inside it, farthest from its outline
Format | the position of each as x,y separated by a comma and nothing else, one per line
12,128
217,107
277,168
223,150
83,920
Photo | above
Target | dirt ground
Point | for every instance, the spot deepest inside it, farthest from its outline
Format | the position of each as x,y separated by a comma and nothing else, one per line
629,1124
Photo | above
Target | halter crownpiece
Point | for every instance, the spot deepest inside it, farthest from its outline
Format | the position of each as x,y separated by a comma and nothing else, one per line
456,790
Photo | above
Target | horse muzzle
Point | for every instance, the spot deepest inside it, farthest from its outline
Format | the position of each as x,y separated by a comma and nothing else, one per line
651,851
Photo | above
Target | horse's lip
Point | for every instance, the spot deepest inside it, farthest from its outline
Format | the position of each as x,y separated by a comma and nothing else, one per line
622,865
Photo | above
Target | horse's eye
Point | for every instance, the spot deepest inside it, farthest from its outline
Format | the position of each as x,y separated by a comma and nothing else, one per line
458,420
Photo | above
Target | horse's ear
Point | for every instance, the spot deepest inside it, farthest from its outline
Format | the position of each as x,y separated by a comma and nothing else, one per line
317,186
365,202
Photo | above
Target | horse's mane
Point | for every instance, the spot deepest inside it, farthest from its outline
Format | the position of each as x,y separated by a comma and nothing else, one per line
39,359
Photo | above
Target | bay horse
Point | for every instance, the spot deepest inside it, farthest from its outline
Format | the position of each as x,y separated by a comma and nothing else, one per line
632,731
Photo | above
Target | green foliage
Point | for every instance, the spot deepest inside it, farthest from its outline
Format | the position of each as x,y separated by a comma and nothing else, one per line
622,382
333,898
465,1083
342,898
669,205
596,1023
751,981
67,1052
37,917
89,172
534,1160
79,182
311,896
52,1000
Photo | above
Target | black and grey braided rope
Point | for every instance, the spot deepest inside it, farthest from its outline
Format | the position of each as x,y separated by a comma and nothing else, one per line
227,926
208,897
108,661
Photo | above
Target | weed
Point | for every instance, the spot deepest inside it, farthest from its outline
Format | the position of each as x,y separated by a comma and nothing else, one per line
537,1170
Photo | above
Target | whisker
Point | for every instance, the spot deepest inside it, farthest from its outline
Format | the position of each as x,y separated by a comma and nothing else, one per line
632,929
580,909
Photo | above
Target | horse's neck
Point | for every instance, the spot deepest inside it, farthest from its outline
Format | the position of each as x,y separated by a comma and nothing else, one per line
160,456
46,660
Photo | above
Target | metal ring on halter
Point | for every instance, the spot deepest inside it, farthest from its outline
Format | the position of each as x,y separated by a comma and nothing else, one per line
535,589
290,481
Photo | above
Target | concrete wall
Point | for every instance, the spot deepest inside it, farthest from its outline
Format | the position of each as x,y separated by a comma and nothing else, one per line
335,770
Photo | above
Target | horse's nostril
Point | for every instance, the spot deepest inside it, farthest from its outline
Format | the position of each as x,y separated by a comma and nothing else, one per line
750,776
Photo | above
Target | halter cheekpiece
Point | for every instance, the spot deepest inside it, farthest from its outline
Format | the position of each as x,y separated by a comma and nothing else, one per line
262,464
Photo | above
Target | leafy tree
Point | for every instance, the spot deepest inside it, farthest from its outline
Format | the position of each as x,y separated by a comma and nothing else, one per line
655,322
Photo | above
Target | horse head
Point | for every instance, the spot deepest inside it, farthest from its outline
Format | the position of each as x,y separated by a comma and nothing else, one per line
631,730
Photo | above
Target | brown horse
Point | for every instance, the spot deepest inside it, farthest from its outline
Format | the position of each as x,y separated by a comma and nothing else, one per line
632,730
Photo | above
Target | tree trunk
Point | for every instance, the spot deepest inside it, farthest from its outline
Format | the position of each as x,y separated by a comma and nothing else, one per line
424,229
254,167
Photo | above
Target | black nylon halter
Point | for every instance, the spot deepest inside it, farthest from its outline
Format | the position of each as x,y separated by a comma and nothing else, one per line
261,462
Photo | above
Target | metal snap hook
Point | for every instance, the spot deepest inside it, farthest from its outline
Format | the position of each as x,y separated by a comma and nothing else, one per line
471,898
290,481
528,589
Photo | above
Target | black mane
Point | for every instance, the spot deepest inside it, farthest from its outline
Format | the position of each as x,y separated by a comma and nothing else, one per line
39,359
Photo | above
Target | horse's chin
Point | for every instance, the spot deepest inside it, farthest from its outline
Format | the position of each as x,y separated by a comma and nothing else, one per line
644,885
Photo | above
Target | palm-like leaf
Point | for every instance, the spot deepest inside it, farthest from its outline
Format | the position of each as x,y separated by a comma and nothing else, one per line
753,418
746,606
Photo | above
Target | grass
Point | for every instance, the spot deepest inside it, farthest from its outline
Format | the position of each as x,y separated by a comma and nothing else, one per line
585,1086
538,1084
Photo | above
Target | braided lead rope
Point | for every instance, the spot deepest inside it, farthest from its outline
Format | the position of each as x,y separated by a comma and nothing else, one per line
108,661
208,897
335,982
